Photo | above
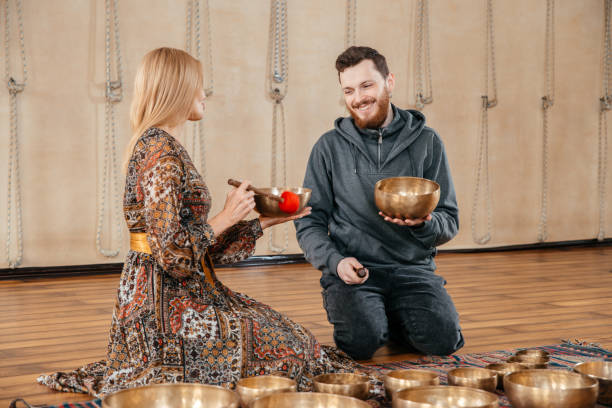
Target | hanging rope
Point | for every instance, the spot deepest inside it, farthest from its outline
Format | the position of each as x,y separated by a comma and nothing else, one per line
193,46
14,179
422,60
278,82
487,102
113,95
547,103
604,106
351,23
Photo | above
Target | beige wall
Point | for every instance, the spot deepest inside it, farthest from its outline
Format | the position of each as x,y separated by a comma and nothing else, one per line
62,109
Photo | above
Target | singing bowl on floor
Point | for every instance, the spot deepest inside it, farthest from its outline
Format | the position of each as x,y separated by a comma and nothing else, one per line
531,359
529,365
474,377
349,384
307,400
252,388
532,355
502,369
602,372
173,396
397,380
550,389
444,397
269,207
406,197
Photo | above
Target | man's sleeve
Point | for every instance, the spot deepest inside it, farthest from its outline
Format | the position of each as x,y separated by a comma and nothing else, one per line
444,223
313,230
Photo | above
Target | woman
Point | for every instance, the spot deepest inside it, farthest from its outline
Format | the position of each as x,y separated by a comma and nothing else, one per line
173,320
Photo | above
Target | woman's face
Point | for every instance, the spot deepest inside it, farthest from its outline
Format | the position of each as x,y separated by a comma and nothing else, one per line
197,107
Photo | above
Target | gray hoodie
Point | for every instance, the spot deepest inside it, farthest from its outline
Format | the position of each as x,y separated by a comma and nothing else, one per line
343,168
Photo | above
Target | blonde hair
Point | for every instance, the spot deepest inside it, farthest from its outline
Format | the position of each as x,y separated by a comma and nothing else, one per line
167,82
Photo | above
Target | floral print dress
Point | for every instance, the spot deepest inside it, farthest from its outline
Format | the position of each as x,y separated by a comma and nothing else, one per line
173,320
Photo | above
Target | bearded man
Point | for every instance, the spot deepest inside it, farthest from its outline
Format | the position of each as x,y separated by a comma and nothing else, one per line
400,297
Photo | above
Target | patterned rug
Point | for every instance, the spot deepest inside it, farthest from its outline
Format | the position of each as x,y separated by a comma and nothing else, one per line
564,356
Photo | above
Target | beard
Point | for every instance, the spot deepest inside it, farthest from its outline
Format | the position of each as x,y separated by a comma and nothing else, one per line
377,118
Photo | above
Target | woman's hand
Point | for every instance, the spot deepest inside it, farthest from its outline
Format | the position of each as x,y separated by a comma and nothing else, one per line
270,221
238,204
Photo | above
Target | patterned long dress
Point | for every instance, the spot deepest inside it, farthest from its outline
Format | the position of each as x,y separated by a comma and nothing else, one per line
173,320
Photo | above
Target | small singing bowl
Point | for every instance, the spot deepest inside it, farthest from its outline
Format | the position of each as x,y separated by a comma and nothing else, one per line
528,364
502,369
444,396
348,384
254,387
180,395
532,355
602,372
474,377
550,388
406,197
268,207
531,358
401,379
307,400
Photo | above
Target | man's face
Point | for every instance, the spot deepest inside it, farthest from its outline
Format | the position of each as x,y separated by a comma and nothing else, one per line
366,94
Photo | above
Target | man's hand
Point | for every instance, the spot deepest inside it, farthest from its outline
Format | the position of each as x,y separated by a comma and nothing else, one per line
407,222
347,271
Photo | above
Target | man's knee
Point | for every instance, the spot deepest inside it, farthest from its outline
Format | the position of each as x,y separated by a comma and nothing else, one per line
444,345
439,337
358,316
360,341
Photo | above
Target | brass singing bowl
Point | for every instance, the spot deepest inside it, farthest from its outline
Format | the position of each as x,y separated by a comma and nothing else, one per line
349,384
550,389
529,364
254,387
474,377
307,400
401,379
269,208
406,197
181,395
531,358
602,372
502,369
441,396
532,355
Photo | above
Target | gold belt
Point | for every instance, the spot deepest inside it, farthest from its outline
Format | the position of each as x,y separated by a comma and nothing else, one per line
138,242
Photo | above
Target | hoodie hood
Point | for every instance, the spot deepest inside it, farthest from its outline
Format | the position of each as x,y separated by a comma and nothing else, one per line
408,123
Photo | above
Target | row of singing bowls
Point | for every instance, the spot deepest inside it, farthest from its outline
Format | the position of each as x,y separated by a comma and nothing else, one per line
268,207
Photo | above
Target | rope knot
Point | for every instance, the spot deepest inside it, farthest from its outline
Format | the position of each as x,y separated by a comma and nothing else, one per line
15,87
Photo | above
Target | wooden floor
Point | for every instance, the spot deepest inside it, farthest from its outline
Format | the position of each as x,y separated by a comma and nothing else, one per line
505,299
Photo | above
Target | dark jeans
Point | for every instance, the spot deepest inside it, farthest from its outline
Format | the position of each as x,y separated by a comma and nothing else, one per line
413,309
